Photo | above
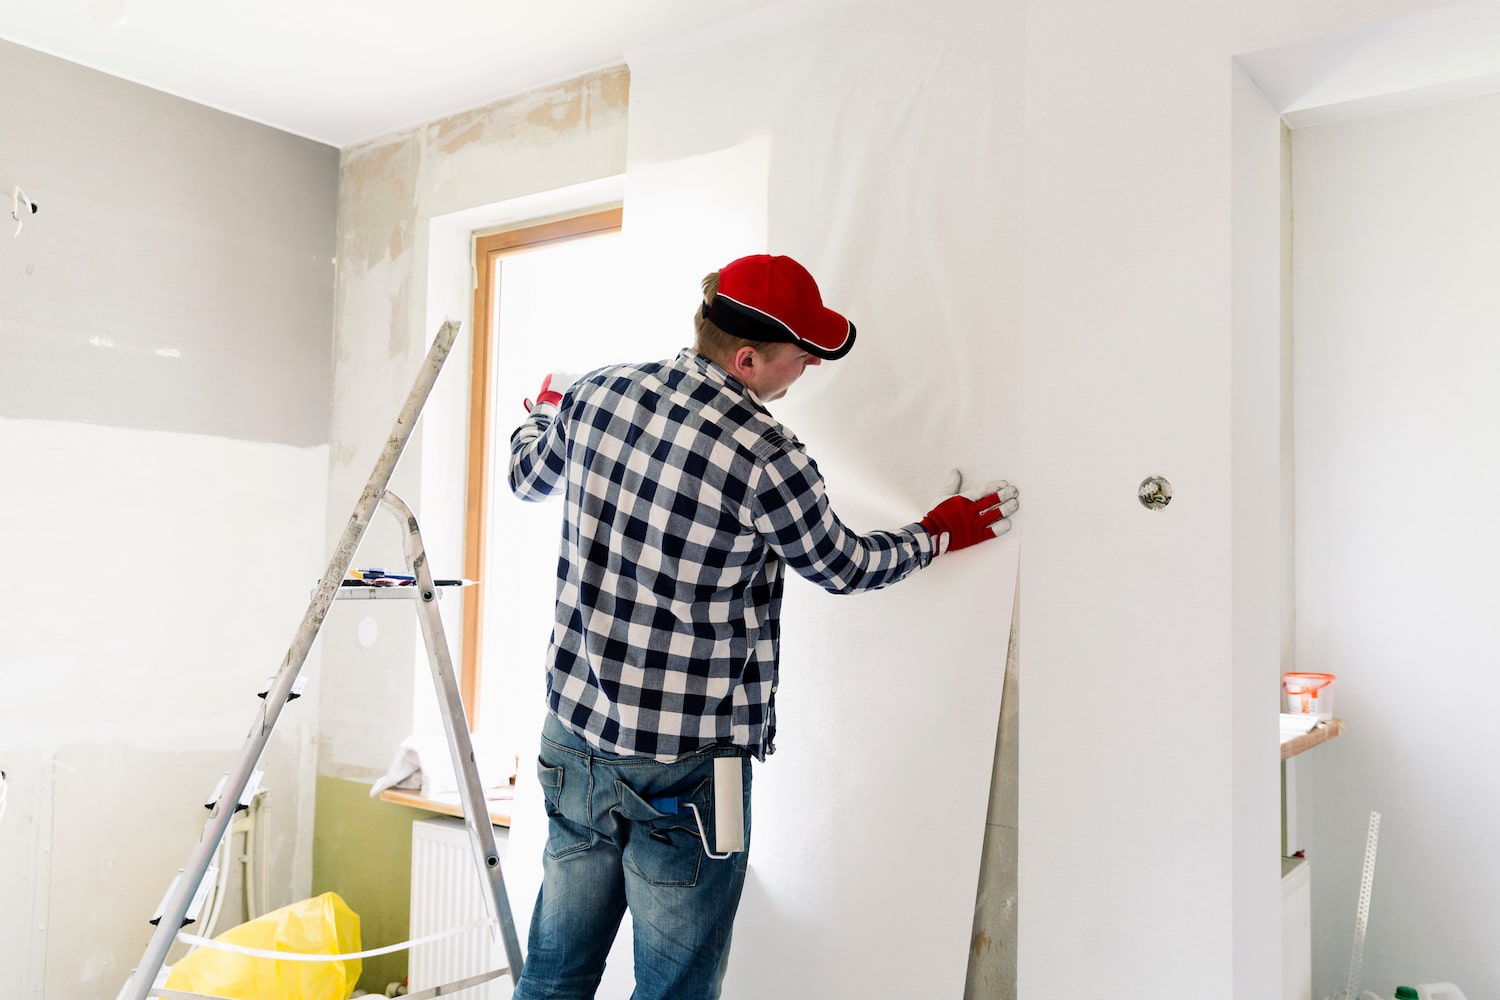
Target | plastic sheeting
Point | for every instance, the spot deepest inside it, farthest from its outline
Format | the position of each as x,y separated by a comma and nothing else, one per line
867,141
323,925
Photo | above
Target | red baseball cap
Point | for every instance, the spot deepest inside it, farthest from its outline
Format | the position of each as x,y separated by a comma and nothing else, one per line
775,299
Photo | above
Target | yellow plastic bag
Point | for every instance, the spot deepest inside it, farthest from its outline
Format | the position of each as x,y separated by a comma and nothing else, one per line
323,925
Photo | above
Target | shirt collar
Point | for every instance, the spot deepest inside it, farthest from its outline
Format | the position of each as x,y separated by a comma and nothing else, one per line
714,372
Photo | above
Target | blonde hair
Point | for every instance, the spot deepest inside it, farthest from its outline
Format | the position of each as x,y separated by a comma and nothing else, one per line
716,345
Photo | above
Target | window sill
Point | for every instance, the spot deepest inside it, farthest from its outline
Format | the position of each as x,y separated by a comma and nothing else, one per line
449,805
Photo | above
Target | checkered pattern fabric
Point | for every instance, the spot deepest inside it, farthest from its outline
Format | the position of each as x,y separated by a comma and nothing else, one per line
685,501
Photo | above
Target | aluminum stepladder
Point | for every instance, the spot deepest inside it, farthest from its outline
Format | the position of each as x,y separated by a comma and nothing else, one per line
175,913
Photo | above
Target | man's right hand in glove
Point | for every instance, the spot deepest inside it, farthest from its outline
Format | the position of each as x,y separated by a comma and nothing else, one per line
553,387
966,518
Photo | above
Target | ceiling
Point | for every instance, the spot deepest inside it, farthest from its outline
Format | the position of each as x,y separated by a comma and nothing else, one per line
341,71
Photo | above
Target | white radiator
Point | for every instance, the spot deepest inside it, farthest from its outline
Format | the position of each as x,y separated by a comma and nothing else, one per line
447,891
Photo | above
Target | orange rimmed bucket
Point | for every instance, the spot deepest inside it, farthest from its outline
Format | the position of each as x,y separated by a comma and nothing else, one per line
1308,694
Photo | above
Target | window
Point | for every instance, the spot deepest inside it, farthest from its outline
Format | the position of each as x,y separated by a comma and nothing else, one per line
543,303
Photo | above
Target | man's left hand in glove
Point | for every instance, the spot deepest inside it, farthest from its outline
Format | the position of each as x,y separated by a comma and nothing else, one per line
971,517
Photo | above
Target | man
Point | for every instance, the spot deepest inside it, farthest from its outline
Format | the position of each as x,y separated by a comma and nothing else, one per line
685,502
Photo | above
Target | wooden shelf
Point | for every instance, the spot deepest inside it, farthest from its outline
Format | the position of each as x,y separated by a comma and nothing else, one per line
500,809
1321,734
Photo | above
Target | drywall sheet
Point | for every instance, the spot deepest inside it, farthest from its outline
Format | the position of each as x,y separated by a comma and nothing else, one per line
885,170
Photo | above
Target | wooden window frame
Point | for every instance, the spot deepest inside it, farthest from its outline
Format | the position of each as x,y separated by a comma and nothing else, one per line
489,250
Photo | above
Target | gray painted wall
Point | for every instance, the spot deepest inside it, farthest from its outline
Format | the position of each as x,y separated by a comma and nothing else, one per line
165,365
163,226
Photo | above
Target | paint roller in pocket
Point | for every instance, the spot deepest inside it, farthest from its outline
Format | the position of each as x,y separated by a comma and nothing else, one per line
729,804
729,809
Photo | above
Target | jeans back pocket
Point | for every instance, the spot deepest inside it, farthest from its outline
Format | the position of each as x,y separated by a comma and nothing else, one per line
565,834
663,848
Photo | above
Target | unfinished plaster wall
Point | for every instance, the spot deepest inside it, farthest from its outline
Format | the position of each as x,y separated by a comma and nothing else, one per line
391,190
165,348
408,203
992,948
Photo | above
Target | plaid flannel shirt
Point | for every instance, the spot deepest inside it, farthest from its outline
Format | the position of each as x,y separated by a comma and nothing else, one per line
685,501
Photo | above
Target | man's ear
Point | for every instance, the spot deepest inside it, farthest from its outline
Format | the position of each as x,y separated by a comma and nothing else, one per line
743,361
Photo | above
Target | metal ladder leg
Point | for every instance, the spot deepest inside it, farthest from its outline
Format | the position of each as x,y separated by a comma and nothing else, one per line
179,899
456,724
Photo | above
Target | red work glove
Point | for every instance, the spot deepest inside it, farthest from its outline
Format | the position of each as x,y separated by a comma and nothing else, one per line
964,519
553,387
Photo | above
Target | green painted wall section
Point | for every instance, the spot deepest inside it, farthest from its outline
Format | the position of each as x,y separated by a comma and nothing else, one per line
362,851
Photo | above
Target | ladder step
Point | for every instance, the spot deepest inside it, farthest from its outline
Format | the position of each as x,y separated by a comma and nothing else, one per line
252,789
292,695
198,897
460,985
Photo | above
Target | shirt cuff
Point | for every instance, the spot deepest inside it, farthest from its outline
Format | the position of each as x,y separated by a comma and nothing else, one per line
926,545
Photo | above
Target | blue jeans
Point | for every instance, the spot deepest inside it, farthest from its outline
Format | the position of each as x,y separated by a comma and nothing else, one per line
617,838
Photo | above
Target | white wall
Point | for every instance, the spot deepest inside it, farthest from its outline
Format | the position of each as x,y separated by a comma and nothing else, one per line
1397,244
1146,846
165,327
1257,371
